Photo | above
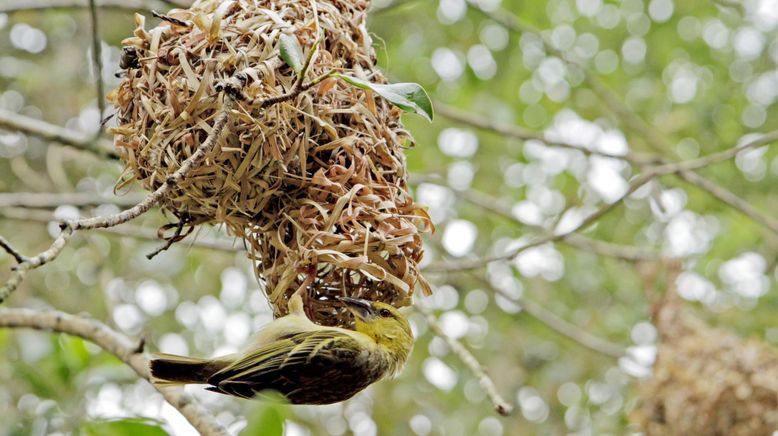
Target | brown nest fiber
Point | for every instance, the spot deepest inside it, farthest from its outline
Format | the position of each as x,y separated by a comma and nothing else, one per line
708,381
316,185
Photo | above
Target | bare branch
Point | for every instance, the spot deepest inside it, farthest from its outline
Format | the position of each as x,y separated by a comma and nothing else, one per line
123,230
496,206
650,134
571,331
34,262
391,6
53,200
659,143
134,5
117,344
97,58
517,132
557,323
5,245
235,84
651,173
69,227
12,121
500,405
171,182
177,236
470,264
706,161
730,199
603,248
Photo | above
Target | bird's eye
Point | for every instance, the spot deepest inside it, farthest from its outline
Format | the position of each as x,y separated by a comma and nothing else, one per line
385,313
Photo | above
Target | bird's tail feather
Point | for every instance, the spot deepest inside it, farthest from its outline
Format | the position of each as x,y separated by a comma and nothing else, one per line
169,369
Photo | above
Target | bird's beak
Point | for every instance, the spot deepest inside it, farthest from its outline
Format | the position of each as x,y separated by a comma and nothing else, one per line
362,309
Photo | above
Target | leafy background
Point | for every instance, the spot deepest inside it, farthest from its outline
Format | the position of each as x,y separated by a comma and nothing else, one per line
702,73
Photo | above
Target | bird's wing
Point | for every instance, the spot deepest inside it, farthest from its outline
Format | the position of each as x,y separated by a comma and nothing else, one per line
281,328
323,356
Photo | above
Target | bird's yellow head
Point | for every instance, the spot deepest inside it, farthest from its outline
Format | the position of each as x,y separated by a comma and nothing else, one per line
385,325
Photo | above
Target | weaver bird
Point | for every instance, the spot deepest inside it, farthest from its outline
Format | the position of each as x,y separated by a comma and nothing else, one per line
306,362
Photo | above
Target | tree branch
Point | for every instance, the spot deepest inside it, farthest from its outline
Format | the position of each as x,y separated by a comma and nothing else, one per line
172,181
46,200
570,331
34,262
713,158
69,227
500,405
122,230
470,264
5,245
522,134
653,137
557,323
496,206
651,173
134,5
117,344
97,58
12,121
729,198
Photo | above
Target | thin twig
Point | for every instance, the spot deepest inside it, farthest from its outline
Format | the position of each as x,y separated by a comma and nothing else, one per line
554,321
97,58
270,101
500,405
559,325
650,174
29,5
392,6
35,262
603,248
123,230
120,346
517,132
183,4
177,236
730,199
659,143
172,181
71,226
651,135
172,20
496,206
12,121
52,200
5,245
234,85
713,158
571,331
470,264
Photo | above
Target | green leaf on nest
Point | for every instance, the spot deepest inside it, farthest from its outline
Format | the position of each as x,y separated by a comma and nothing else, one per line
291,52
410,97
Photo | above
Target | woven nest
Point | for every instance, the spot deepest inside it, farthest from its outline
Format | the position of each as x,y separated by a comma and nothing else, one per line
708,381
315,185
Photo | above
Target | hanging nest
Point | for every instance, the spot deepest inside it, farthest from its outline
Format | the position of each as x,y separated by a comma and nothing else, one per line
316,185
708,381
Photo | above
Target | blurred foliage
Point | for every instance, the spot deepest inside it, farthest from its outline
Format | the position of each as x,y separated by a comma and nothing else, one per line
124,427
702,73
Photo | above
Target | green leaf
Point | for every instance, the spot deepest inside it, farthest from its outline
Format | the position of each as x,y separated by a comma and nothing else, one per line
125,427
268,416
410,97
291,52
